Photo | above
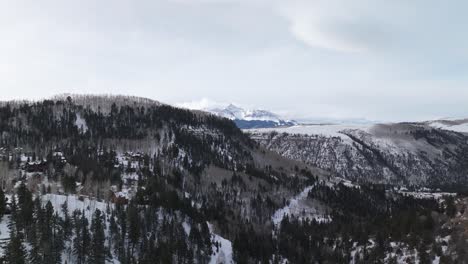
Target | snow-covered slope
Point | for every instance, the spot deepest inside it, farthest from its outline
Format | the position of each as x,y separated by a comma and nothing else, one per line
403,153
301,207
457,125
327,130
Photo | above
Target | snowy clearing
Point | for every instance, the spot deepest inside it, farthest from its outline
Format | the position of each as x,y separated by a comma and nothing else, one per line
224,254
299,208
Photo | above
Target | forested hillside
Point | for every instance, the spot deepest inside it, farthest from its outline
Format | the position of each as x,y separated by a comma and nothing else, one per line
88,179
410,154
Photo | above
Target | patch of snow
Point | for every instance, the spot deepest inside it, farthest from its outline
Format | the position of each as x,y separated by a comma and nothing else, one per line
17,184
224,254
462,128
327,130
298,209
23,158
187,228
4,230
428,195
74,202
81,123
347,183
124,194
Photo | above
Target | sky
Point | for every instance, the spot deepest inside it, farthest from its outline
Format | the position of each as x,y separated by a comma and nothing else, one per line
386,60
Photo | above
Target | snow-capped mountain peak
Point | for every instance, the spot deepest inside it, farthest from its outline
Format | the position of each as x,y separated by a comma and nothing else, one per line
235,112
250,118
231,111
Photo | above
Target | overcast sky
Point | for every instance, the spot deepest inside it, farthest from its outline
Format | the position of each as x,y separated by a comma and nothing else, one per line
375,59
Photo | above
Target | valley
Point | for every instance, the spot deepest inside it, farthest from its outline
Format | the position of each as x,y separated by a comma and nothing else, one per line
106,179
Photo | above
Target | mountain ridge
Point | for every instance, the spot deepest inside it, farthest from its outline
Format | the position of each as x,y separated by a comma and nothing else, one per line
151,183
247,119
377,153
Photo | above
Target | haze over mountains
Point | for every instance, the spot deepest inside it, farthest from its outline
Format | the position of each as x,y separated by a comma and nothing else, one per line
246,119
258,118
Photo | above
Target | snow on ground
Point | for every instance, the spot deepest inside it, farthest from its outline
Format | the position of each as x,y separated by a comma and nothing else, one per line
444,241
398,251
4,230
223,255
401,252
328,130
81,123
4,233
187,228
128,159
74,202
462,128
84,204
130,162
337,180
427,195
87,205
299,208
357,250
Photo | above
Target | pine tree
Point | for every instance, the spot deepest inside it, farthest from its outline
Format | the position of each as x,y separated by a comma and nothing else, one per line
2,203
451,209
58,242
35,252
122,221
113,233
47,237
15,252
97,251
13,225
26,209
66,222
35,255
81,242
133,226
206,237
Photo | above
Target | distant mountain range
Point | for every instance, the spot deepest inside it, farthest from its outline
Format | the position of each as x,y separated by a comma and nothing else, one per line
260,118
248,119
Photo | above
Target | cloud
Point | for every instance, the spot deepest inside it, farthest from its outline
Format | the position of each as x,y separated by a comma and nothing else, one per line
202,104
376,25
310,23
363,58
